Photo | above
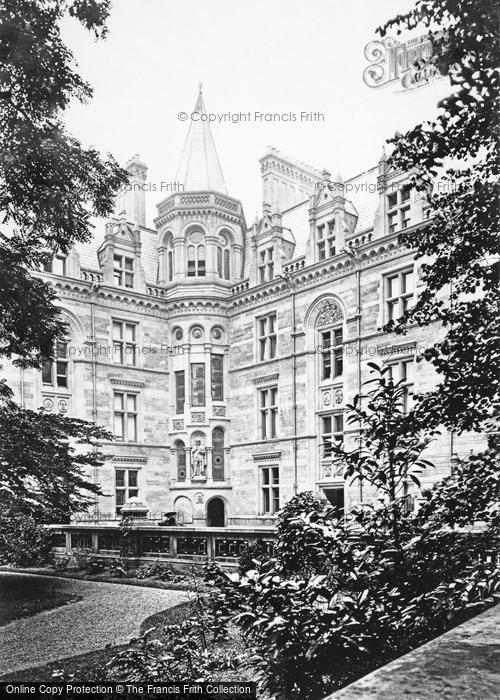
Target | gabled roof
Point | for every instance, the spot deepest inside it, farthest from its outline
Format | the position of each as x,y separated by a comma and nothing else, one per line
199,168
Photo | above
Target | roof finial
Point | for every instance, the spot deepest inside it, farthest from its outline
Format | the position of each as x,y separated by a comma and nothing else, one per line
200,87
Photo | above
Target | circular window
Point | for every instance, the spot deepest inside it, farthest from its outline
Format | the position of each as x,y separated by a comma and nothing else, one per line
178,334
217,333
197,333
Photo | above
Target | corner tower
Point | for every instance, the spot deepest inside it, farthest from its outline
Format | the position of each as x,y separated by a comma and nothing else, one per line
201,236
201,230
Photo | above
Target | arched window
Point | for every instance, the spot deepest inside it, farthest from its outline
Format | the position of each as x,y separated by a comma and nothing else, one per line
191,260
55,371
196,257
218,454
196,265
224,257
219,261
329,326
201,261
170,263
181,460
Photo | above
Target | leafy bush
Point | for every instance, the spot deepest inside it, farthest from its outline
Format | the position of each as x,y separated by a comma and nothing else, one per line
83,556
61,563
312,633
254,554
23,541
158,571
471,493
345,595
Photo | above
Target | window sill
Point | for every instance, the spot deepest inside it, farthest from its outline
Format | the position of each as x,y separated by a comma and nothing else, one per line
55,389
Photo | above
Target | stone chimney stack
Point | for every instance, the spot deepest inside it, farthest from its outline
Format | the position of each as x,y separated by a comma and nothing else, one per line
131,199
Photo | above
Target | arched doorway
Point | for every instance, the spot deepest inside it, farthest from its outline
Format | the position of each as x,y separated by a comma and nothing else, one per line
216,513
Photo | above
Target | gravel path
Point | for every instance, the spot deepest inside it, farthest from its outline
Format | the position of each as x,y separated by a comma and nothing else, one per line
108,613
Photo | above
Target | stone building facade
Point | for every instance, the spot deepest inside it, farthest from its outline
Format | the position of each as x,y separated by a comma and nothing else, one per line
222,354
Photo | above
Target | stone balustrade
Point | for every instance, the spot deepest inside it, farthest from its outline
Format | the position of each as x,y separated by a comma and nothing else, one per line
180,546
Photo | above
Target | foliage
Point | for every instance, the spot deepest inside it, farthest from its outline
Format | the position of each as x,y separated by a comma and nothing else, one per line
43,460
299,555
23,541
461,237
345,595
311,634
471,493
189,649
29,317
256,552
389,452
50,187
157,571
50,184
86,558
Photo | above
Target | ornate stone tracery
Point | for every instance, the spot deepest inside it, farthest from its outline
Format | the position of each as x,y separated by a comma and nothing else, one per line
330,312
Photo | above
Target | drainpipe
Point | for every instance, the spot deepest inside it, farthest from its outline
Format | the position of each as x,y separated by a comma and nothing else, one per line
294,390
93,293
358,329
287,277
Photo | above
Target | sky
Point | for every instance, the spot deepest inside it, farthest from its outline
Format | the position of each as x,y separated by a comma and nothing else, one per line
267,56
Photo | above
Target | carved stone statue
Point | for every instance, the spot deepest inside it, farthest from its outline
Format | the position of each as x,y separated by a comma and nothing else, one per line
199,460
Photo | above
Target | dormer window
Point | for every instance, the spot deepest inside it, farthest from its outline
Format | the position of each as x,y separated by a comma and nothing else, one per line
123,271
398,209
326,240
266,265
57,266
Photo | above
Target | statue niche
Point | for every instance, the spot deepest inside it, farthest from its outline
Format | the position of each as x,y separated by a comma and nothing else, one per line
198,458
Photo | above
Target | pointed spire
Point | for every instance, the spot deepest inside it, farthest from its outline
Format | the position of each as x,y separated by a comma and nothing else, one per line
199,168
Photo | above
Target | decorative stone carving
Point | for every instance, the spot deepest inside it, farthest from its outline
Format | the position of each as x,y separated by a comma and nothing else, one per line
219,411
198,461
48,405
338,469
196,237
329,313
62,406
197,417
333,470
178,424
265,379
197,333
217,333
327,398
198,497
339,396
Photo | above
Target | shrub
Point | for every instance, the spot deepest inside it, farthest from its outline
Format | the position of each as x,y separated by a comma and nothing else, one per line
254,555
309,634
23,541
83,556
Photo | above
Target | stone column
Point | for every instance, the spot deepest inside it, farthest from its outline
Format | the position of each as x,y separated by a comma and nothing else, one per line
209,471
